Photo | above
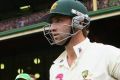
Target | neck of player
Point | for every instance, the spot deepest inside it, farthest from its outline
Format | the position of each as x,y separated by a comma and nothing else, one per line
71,56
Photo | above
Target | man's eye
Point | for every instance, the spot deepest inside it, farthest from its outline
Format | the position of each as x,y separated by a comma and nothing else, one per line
59,20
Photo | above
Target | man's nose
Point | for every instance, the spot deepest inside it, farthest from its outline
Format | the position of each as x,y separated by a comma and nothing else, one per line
53,27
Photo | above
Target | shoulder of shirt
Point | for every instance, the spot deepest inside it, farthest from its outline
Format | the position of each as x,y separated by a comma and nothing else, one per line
106,48
60,58
58,61
104,45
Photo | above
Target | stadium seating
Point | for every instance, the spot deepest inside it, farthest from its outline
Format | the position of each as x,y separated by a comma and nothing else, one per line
20,21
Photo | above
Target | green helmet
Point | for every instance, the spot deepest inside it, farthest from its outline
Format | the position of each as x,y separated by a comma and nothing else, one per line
79,19
64,7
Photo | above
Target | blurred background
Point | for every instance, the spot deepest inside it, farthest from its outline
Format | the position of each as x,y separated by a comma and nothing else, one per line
23,47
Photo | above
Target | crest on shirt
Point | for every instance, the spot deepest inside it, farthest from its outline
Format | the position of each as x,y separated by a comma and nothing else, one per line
86,75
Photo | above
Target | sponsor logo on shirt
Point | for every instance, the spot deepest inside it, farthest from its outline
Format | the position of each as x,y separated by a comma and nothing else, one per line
59,76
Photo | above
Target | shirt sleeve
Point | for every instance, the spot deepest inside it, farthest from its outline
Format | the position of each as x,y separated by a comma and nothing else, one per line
114,63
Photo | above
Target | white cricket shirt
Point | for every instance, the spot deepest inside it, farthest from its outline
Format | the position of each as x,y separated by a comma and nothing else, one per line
95,61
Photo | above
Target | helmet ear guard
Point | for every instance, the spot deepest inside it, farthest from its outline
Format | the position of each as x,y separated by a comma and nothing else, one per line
81,20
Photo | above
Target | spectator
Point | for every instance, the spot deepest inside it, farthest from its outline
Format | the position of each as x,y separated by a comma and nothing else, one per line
25,76
114,3
103,4
89,4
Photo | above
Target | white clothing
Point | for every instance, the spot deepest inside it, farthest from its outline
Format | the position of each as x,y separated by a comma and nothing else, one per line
95,61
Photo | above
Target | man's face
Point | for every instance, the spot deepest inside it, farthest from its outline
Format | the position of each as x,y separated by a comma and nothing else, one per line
60,28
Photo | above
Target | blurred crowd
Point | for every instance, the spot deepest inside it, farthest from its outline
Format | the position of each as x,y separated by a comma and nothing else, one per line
21,21
35,17
101,4
108,3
